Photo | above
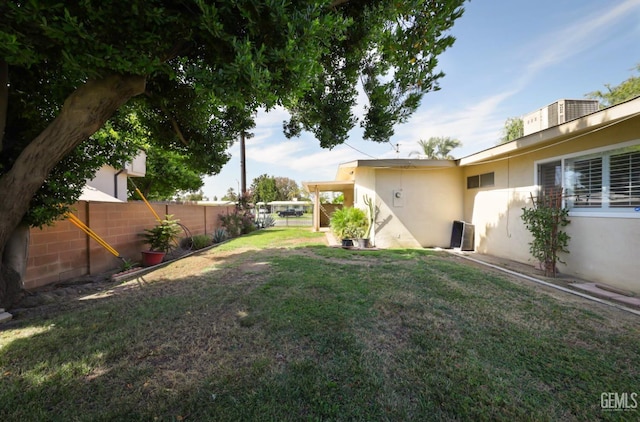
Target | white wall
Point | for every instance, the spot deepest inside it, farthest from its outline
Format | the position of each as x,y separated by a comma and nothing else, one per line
422,213
104,181
602,249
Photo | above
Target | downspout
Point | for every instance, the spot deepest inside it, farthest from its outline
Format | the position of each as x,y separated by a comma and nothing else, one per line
115,183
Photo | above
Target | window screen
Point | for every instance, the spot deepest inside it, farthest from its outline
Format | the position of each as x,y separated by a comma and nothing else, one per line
624,180
585,182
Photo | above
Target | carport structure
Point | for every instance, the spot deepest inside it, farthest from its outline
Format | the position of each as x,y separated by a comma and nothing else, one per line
314,188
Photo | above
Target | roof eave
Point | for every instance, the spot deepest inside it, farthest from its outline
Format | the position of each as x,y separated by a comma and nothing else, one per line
582,125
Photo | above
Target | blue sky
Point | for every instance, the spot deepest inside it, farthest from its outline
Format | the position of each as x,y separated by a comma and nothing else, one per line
510,57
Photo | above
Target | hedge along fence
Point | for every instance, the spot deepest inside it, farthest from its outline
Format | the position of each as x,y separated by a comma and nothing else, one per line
63,251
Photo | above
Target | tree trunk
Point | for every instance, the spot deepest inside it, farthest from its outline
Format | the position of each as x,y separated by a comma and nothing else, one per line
82,114
4,97
14,262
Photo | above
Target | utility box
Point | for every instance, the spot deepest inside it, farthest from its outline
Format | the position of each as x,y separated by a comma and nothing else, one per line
462,236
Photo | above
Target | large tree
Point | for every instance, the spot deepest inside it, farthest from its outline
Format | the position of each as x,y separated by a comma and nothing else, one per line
288,189
264,189
194,71
168,172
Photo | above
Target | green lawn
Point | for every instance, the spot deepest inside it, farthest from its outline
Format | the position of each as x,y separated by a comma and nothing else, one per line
275,326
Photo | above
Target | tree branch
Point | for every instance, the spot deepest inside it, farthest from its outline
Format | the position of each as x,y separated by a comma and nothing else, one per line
178,132
4,98
83,113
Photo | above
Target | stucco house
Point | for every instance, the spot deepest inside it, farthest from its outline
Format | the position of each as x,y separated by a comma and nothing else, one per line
594,158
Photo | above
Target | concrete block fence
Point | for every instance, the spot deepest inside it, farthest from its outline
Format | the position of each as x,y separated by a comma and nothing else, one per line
62,251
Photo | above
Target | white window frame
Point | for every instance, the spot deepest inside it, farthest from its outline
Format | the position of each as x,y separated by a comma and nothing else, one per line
589,212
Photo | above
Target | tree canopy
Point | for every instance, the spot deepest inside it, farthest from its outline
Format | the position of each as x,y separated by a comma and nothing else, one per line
168,172
513,129
264,189
193,73
436,148
288,189
617,94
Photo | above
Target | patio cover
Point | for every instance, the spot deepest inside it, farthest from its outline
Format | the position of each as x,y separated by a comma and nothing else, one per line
331,186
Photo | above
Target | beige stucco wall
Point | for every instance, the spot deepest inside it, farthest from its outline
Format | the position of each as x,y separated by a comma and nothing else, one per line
430,200
365,187
602,249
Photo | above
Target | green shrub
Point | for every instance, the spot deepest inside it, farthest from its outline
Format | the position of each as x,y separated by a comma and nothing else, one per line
349,223
267,221
545,221
220,235
200,241
162,237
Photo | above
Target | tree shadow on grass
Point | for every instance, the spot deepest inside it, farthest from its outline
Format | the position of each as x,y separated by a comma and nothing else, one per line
312,332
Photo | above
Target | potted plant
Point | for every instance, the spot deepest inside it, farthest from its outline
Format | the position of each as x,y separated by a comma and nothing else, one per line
348,223
361,238
161,239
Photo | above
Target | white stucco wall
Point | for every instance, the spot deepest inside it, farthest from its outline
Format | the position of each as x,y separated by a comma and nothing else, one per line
365,187
423,213
104,181
602,249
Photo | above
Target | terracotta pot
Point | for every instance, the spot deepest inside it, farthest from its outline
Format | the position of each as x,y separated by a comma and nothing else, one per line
150,258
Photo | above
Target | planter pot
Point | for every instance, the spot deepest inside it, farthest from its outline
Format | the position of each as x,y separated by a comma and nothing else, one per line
363,243
150,258
347,243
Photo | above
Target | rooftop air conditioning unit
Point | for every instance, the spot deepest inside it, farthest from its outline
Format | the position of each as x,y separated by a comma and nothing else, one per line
557,113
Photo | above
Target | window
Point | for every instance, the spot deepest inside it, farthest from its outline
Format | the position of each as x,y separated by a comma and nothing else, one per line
486,179
550,177
584,182
480,181
607,180
624,180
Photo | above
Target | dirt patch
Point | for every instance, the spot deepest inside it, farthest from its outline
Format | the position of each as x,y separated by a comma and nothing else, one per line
52,299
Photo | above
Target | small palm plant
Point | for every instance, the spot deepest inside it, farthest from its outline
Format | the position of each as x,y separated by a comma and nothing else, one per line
437,148
162,237
349,222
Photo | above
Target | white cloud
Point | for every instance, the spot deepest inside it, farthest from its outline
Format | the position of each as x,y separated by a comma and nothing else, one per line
477,125
572,39
273,118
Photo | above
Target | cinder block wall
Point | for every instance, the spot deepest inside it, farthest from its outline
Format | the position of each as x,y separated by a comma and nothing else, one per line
63,251
57,253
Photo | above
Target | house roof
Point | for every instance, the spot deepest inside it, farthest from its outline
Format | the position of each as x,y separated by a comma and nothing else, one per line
328,186
345,170
561,133
91,194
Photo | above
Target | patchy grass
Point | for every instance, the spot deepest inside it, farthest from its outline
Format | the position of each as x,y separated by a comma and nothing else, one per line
276,326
